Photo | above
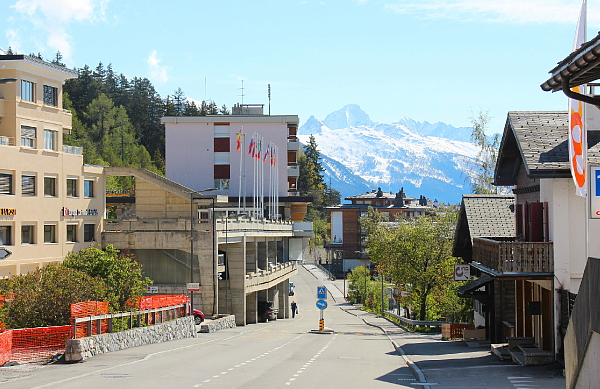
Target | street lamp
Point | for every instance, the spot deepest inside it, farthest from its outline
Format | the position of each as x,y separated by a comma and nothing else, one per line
7,80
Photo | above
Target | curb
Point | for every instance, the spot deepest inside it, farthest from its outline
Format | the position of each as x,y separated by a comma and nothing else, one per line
411,365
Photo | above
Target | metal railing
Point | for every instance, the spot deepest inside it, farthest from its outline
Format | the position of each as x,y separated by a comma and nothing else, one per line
7,141
105,323
415,323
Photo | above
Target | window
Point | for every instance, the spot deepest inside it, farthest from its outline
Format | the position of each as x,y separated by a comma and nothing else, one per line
71,187
50,186
49,233
71,232
222,184
88,232
27,88
88,188
27,185
5,235
28,137
27,235
6,184
50,140
50,95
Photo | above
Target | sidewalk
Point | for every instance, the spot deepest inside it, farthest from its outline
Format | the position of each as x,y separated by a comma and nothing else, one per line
451,364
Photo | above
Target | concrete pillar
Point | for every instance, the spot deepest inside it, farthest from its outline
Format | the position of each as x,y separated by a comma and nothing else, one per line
272,251
284,303
251,256
262,255
274,297
280,251
251,308
237,281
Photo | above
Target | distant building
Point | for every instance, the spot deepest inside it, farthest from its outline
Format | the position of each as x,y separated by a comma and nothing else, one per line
50,202
347,248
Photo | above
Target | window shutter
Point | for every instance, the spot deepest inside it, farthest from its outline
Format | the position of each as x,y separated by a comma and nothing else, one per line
27,132
6,184
28,186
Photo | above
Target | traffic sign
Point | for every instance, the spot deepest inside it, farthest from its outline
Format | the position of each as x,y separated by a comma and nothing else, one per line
193,286
4,253
321,292
321,304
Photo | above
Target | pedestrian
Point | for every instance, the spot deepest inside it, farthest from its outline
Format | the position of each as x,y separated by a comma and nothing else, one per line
294,309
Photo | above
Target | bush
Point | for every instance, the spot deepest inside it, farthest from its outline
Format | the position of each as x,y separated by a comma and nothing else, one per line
44,297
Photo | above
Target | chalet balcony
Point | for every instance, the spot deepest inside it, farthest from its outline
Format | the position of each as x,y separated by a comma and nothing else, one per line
520,257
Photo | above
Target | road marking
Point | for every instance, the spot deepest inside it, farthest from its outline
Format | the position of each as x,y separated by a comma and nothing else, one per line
291,379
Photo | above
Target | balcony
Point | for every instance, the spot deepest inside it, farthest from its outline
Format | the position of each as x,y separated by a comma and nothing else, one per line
520,257
265,279
293,144
72,150
293,171
7,141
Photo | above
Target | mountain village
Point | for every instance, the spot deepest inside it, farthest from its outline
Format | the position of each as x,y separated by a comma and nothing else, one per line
251,213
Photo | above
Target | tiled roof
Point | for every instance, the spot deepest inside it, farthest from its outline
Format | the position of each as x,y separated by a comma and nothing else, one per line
490,216
543,142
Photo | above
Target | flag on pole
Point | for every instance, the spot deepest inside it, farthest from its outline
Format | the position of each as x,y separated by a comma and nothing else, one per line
258,149
267,152
274,156
238,142
577,130
252,147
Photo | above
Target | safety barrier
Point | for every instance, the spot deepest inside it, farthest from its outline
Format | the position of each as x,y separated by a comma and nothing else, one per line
161,301
29,344
5,346
86,309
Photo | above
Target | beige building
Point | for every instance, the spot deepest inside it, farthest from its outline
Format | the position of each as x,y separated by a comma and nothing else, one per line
50,202
238,261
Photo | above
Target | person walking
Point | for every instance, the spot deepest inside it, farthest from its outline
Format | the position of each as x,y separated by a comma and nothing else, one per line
294,309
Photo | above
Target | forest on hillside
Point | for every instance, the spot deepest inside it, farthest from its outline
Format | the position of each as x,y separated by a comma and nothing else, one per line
117,120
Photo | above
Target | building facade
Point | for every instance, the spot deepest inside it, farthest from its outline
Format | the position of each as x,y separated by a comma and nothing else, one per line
51,203
347,248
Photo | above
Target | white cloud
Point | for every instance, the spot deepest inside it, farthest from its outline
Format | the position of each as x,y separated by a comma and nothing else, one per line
157,71
13,40
506,11
54,16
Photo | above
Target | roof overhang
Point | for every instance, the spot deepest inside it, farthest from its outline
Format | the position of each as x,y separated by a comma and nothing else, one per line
579,67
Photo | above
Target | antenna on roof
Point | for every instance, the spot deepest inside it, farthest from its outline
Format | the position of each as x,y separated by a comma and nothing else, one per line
269,99
242,88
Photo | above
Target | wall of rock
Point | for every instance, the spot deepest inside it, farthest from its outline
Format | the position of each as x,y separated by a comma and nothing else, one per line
84,348
219,324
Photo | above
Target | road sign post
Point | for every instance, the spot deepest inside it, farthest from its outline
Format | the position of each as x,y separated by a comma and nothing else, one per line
321,304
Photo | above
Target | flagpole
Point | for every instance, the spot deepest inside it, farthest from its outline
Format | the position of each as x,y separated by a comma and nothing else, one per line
241,148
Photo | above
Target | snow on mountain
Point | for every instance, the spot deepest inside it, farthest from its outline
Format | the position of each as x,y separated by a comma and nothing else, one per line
360,155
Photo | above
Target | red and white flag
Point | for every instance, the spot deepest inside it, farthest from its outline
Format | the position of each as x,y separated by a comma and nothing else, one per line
577,131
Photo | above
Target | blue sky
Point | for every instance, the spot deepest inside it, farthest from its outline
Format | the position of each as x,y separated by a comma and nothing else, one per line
433,60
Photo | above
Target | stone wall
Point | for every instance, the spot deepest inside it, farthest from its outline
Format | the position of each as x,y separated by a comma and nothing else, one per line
84,348
219,324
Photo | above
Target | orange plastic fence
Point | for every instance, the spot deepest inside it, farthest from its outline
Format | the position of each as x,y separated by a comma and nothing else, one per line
29,344
90,308
5,346
160,301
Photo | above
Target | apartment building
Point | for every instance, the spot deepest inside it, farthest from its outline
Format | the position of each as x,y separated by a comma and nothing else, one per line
51,203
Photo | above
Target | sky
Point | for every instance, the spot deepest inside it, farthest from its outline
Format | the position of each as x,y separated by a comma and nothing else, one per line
428,60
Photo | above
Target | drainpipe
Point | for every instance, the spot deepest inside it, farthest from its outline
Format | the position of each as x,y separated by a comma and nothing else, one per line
578,96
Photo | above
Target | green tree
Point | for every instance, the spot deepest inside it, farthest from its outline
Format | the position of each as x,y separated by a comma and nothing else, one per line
414,253
122,275
44,297
482,181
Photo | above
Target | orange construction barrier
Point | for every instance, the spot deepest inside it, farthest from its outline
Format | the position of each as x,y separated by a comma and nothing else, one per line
29,344
5,346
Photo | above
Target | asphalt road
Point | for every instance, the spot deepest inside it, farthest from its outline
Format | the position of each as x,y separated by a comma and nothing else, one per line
278,354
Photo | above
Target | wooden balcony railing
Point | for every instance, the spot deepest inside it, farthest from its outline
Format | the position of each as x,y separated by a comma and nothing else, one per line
514,256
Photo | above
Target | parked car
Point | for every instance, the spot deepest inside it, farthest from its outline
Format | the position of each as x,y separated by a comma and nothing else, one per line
266,311
198,316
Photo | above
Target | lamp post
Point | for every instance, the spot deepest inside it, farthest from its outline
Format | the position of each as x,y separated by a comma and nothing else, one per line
7,80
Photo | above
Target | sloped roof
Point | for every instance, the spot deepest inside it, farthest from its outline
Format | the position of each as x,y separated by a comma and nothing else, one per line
490,216
483,216
539,140
580,66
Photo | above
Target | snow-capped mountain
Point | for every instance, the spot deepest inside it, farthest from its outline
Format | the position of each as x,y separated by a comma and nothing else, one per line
434,160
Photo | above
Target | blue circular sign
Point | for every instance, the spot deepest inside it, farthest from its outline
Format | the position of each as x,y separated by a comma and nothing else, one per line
321,304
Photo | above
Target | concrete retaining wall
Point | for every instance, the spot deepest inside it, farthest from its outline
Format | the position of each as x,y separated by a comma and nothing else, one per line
219,324
84,348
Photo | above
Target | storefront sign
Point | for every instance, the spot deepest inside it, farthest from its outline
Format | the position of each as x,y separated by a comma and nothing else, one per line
8,212
79,212
594,192
462,272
